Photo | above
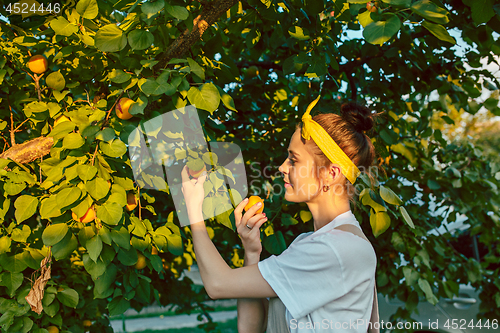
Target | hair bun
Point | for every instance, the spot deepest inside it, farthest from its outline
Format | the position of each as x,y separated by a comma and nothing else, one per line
360,117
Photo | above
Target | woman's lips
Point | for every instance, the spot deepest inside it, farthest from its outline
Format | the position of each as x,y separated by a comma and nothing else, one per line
288,184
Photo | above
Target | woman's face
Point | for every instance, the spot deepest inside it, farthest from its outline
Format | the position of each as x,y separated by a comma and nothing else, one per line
298,172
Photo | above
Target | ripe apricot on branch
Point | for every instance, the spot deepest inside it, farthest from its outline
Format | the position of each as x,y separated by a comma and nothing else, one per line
131,201
197,173
141,261
38,64
87,217
53,329
372,6
122,108
252,201
251,72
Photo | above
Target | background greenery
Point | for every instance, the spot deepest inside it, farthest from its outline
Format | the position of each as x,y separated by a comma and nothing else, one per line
250,67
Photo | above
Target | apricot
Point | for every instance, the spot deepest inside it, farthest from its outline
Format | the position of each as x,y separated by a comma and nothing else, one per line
87,217
131,201
197,173
38,64
251,72
252,201
53,329
141,261
122,108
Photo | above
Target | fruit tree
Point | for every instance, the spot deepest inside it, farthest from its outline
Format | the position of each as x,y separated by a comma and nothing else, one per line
82,240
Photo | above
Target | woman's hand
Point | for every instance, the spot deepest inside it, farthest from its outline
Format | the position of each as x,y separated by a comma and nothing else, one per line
193,192
248,227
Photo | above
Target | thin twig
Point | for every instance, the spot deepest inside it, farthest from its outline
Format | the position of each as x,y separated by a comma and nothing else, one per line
93,156
12,136
139,202
109,112
16,130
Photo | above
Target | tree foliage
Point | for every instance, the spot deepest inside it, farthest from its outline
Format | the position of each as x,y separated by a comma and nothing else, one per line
250,67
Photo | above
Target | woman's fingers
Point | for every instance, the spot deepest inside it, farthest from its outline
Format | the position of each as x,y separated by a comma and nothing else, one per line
184,174
255,221
238,210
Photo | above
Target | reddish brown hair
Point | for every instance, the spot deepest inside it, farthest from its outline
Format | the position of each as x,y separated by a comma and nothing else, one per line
348,131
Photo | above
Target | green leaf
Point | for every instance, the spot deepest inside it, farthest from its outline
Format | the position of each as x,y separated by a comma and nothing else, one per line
430,11
389,196
367,200
110,213
298,33
56,81
62,129
121,237
94,247
68,297
400,3
178,12
110,38
128,257
54,233
153,87
119,76
62,27
86,172
174,244
64,248
26,206
206,98
139,106
481,10
380,32
49,208
12,281
439,31
95,269
140,39
275,243
380,222
426,288
73,141
5,243
104,282
196,69
117,306
87,9
115,148
68,196
406,217
98,188
152,7
365,18
389,136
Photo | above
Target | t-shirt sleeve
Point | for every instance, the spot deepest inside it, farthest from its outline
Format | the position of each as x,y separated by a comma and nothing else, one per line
306,276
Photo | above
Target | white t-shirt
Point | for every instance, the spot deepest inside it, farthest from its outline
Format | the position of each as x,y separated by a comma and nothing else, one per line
325,279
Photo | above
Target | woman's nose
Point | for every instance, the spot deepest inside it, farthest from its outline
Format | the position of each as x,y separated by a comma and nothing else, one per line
282,168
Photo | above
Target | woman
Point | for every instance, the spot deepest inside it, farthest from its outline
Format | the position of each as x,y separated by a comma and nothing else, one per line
325,280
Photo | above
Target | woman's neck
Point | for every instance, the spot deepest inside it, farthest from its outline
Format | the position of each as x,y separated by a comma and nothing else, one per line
327,209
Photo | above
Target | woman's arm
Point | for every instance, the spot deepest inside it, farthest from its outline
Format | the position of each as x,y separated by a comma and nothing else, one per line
220,280
252,312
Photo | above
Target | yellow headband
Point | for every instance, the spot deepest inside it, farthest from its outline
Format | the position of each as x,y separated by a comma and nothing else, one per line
327,145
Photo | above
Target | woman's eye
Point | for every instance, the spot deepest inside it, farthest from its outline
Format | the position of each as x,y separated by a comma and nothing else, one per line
292,162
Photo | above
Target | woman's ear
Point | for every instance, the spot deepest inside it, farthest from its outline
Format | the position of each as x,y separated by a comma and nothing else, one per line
335,171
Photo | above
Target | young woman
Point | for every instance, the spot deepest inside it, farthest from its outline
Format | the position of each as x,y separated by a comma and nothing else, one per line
324,281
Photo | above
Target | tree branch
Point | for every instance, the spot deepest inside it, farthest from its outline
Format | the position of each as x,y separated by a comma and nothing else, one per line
30,150
210,13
